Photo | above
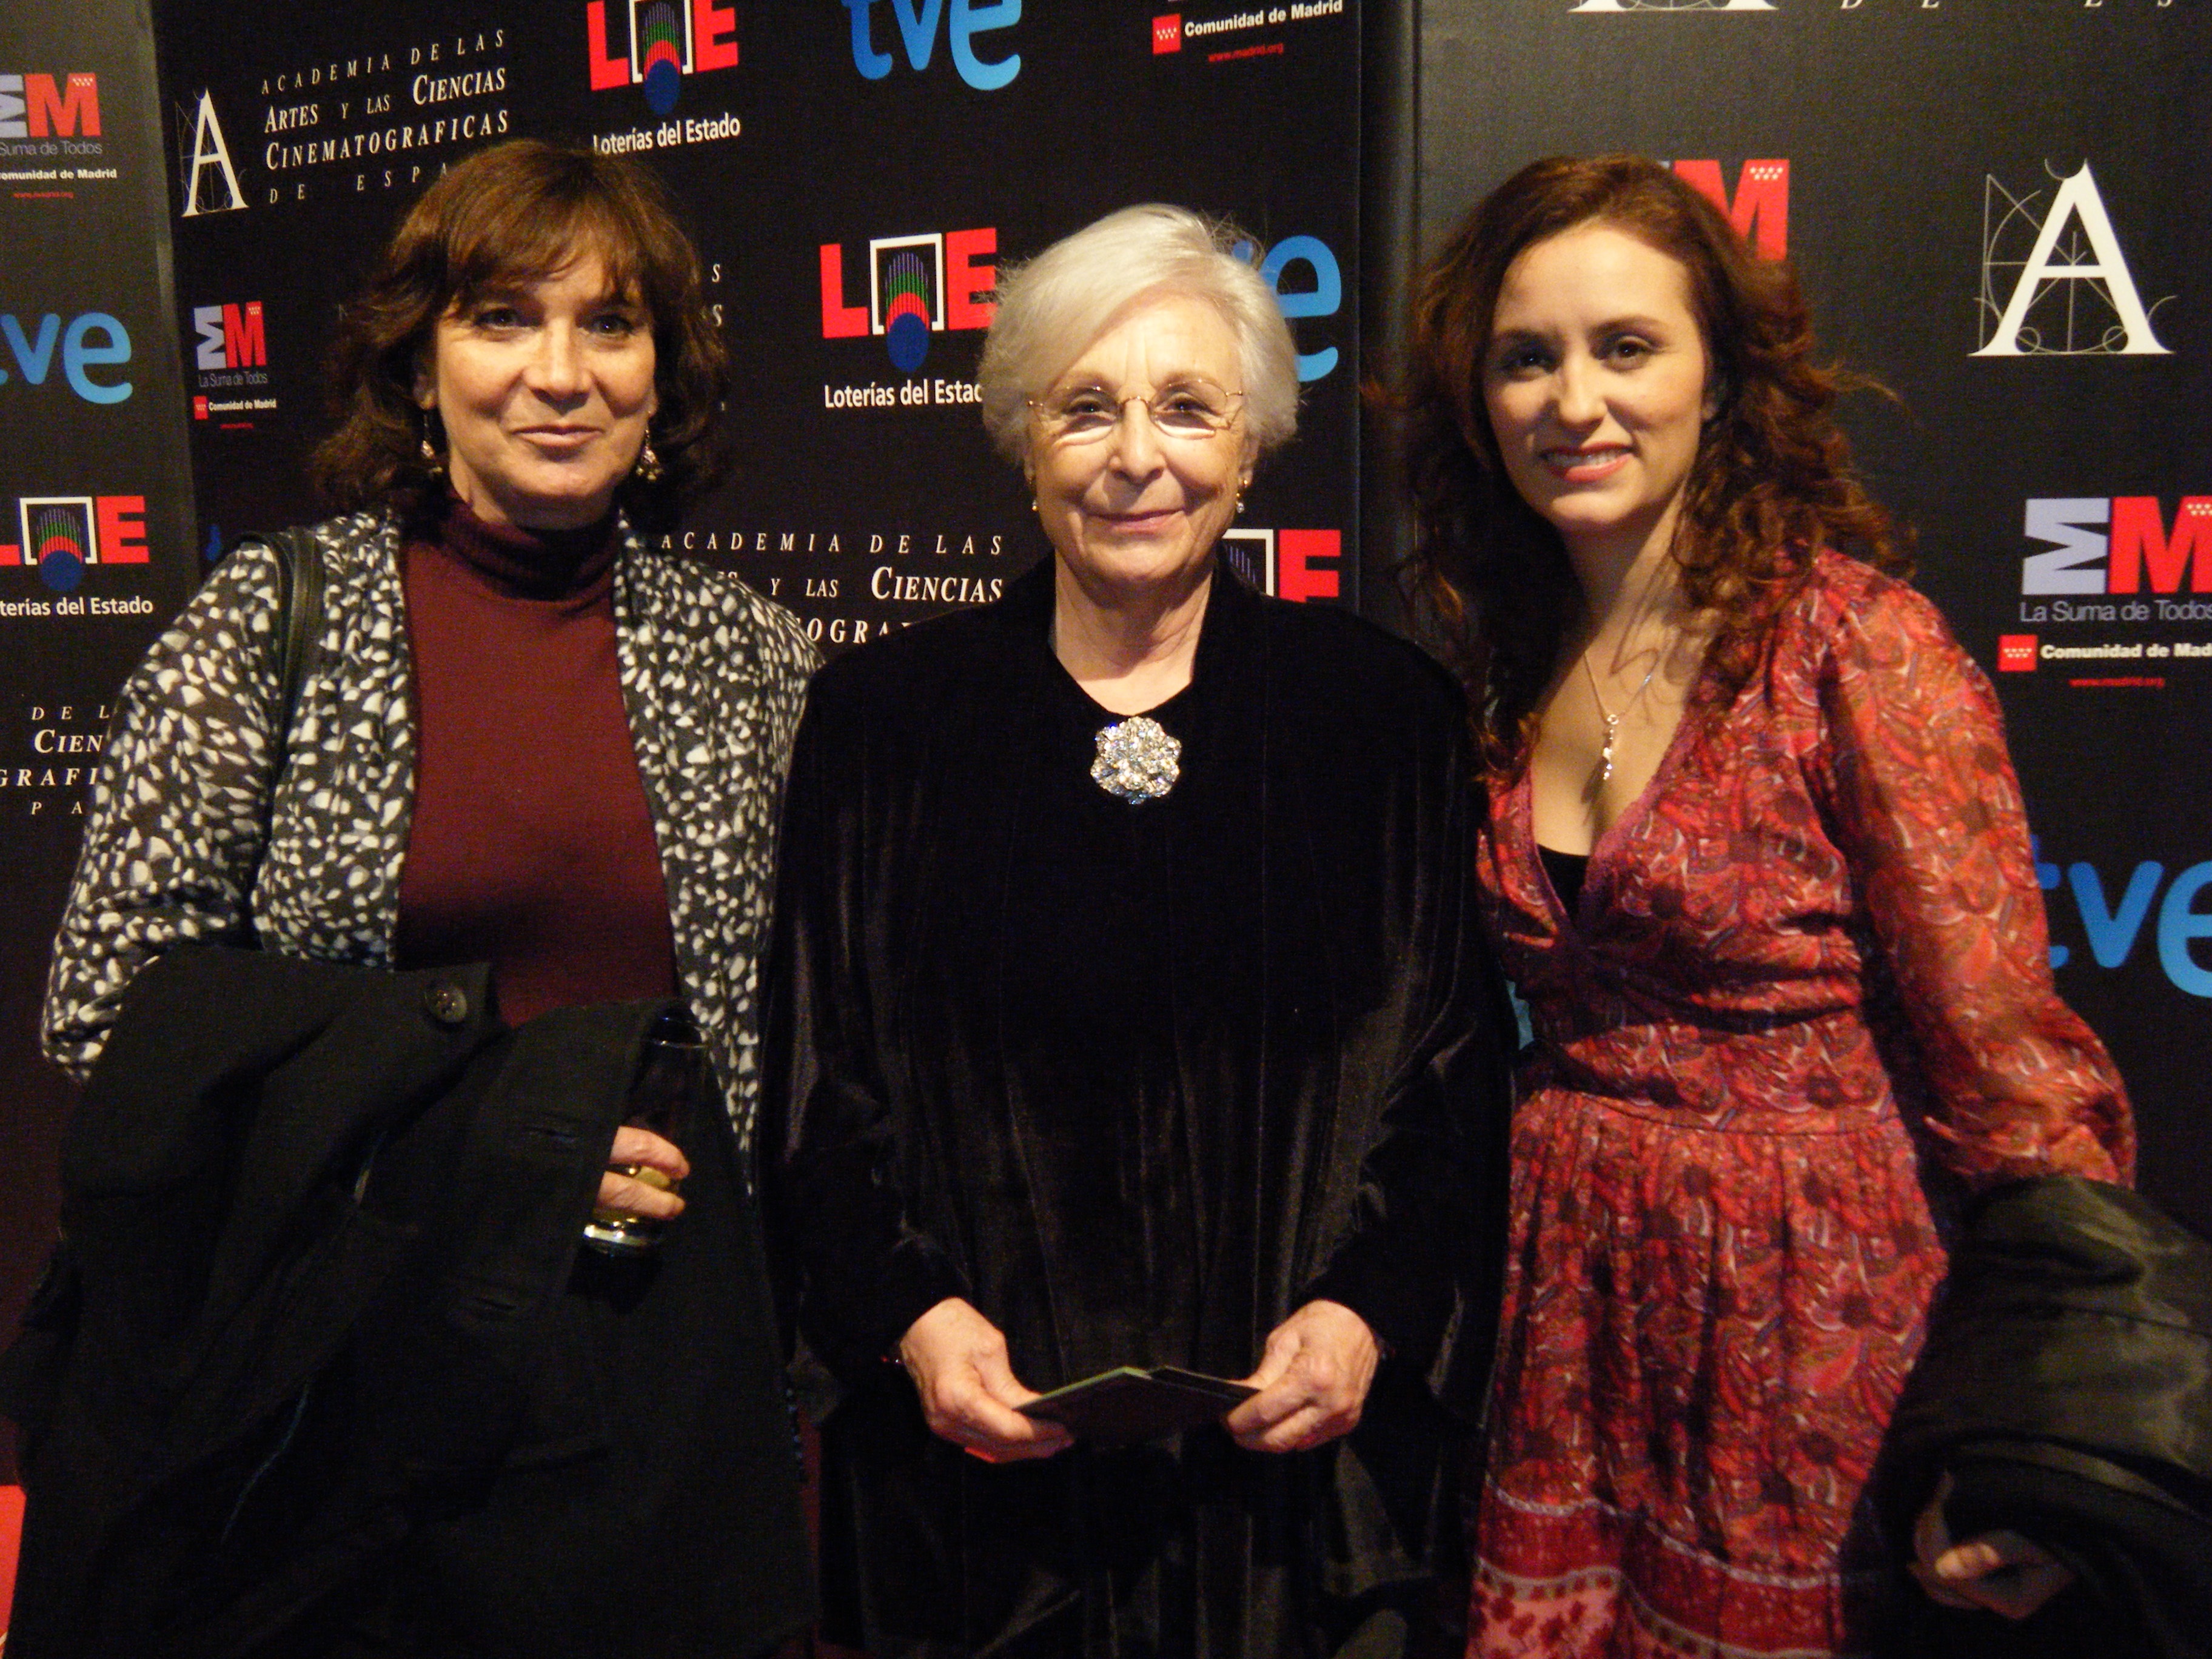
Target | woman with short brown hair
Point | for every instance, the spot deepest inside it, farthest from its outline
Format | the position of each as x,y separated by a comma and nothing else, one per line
524,736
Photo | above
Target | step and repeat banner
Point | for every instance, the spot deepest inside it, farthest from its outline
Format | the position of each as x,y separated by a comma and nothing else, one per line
2002,208
856,173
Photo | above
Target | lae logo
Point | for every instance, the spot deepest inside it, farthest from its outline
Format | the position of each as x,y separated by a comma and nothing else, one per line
1291,564
2119,546
92,339
918,286
46,107
2054,282
919,24
231,336
63,534
664,41
1760,208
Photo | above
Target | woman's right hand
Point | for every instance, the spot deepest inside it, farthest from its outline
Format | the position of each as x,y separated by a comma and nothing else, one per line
640,1171
2001,1571
957,1359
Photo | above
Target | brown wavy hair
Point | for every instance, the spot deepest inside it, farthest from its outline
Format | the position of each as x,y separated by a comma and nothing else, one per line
1772,481
513,213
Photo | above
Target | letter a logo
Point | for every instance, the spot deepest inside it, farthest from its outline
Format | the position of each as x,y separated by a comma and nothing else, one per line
208,150
2074,296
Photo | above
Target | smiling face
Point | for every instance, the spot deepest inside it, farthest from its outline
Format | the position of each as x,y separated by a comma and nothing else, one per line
544,389
1597,385
1131,508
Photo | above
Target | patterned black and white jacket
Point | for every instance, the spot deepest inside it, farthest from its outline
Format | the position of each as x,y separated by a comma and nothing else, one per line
713,676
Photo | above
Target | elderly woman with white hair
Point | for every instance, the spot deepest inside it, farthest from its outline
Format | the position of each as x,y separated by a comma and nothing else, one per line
1125,1009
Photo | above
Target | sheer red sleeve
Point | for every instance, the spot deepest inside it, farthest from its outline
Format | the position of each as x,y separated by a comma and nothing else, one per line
1928,812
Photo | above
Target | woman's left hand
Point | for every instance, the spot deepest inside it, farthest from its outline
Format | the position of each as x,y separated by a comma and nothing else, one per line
1999,1570
639,1170
1312,1381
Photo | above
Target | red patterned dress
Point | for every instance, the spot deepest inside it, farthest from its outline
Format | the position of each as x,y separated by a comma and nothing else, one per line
1810,954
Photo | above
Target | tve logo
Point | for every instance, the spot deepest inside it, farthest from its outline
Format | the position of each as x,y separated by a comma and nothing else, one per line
40,106
231,336
63,534
665,41
1292,257
919,22
2122,544
93,339
1760,209
918,285
2114,925
1292,564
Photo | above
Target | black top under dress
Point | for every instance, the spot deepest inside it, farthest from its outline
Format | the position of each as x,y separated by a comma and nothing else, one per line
1138,1081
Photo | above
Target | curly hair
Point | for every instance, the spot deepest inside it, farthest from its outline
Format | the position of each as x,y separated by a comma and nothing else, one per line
1772,484
515,213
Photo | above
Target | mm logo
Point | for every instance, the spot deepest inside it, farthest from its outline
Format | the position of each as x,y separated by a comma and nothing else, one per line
1760,208
918,286
230,336
2119,546
63,534
1291,564
664,41
42,106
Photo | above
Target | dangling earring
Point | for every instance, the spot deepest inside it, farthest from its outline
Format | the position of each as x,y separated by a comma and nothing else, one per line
648,464
432,463
1240,504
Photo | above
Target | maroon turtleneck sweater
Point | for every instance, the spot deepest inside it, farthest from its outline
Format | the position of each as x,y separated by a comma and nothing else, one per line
531,846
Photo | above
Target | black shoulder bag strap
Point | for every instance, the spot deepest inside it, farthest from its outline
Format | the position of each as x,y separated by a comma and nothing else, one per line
300,621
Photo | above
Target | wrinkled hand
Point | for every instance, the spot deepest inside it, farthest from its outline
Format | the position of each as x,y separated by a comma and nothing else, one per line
643,1194
1999,1570
957,1359
1312,1380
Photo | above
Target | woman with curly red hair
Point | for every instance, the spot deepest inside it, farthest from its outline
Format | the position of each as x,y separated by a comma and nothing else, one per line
1756,859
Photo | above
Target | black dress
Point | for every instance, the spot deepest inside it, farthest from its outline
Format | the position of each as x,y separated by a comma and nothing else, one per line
1137,1080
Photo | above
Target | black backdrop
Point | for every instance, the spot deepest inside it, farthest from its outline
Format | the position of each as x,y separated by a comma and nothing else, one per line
1908,154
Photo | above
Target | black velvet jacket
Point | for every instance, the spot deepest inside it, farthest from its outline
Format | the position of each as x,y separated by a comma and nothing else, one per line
1274,1073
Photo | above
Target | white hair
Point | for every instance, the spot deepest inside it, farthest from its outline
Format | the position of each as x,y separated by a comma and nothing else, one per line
1052,308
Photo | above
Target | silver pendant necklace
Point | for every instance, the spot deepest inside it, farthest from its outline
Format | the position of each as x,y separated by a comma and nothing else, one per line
1613,721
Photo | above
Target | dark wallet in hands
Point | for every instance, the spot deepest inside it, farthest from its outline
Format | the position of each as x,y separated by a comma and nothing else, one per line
1131,1403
